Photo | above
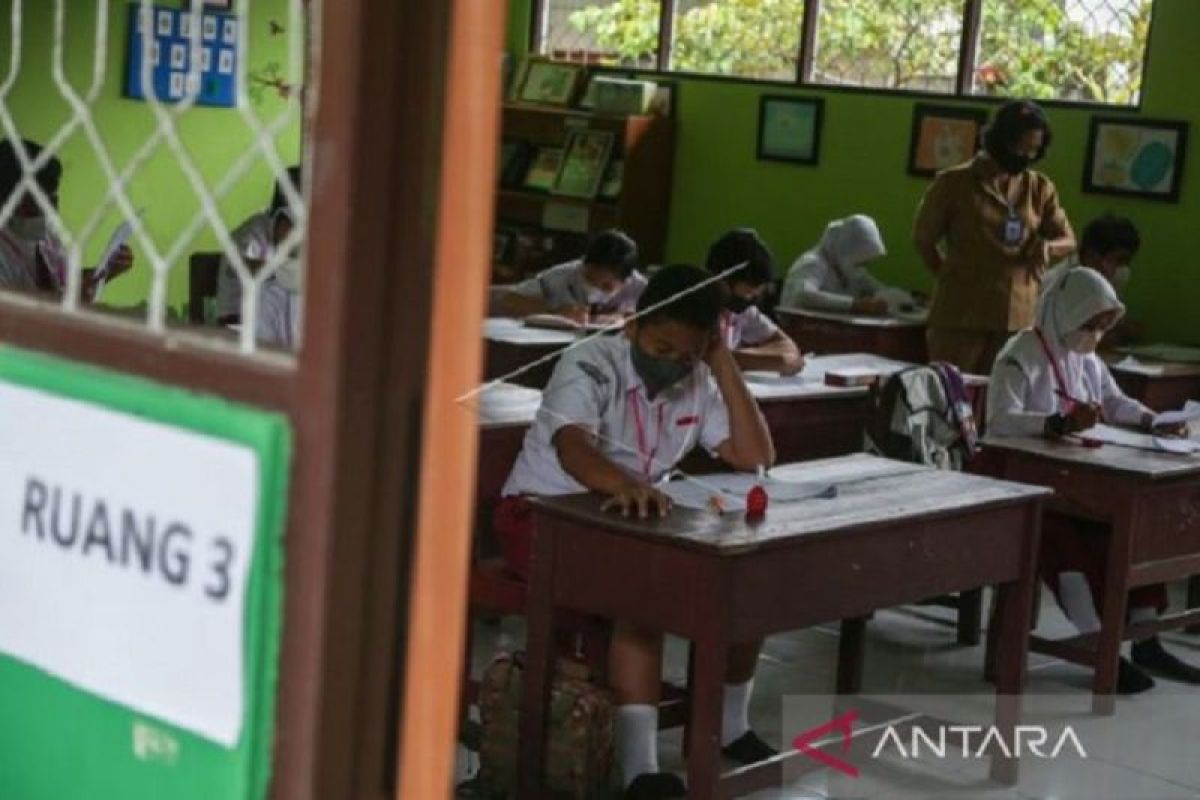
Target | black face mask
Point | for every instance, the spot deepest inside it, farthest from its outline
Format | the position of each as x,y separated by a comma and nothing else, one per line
738,304
1014,163
658,374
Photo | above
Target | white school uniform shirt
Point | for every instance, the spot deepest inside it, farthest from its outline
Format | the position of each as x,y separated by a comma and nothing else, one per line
832,275
254,239
563,285
279,318
747,328
596,388
1029,378
18,261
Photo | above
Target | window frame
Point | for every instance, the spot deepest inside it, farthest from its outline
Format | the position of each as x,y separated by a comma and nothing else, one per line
967,54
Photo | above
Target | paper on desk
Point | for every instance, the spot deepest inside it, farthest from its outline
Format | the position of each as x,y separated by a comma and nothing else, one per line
1122,437
558,322
1131,364
1189,412
731,489
120,237
1179,354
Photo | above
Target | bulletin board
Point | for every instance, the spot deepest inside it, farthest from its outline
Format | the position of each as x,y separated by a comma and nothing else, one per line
62,742
165,35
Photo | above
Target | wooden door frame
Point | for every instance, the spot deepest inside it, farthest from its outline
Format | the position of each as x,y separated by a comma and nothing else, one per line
387,195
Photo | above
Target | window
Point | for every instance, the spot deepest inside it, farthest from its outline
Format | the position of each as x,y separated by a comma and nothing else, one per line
1074,50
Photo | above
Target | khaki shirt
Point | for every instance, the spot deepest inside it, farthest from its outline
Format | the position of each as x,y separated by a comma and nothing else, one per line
984,283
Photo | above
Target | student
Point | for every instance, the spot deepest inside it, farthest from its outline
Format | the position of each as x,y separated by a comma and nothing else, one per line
31,256
833,275
605,282
255,239
619,413
1048,381
1109,245
757,342
280,304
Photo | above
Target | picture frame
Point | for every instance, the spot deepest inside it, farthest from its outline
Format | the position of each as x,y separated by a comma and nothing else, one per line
1137,158
614,180
219,5
789,129
584,163
943,137
549,83
543,169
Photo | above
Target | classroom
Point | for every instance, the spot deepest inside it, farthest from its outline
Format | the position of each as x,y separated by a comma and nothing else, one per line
599,399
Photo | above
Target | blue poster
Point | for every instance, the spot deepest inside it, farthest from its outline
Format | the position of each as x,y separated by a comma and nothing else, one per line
177,72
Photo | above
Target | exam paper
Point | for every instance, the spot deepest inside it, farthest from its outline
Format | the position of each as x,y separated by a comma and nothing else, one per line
730,490
1122,437
1189,412
120,237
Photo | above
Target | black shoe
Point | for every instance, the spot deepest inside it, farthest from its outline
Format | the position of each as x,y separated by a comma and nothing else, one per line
655,785
1153,657
1131,679
749,749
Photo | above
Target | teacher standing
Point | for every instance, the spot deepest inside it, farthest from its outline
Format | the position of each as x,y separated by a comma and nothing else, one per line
988,230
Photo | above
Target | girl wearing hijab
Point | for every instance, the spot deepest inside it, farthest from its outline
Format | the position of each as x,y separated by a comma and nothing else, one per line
31,256
1048,381
833,275
280,299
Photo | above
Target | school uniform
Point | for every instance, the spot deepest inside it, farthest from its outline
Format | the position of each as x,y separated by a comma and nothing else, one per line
1036,376
832,275
255,240
747,328
27,266
595,387
280,311
564,285
986,288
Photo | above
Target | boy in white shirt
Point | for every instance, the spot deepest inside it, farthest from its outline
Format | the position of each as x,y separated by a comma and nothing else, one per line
833,275
619,413
605,282
1108,245
1048,381
756,341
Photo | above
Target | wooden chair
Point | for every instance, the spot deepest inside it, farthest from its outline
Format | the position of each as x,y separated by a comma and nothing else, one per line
202,283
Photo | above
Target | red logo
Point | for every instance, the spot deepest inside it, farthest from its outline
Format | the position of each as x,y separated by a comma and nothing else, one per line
692,420
843,724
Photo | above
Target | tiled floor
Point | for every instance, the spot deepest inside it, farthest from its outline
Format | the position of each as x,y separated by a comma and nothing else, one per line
1150,750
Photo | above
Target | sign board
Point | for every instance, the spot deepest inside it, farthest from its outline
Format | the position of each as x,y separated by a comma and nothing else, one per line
140,586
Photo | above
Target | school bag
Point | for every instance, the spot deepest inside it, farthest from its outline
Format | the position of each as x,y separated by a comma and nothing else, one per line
579,748
924,416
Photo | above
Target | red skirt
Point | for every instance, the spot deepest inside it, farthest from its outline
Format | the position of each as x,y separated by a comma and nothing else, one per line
512,522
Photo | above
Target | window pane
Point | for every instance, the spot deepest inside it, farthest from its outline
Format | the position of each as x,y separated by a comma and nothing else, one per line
747,38
623,32
1083,50
900,44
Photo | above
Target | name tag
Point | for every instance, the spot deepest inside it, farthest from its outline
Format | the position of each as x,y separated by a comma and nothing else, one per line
1014,231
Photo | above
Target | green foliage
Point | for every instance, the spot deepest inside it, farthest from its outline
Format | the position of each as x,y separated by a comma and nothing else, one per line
1031,48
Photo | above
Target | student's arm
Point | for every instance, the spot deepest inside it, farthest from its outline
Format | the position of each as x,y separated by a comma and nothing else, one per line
1006,414
933,220
1119,408
748,445
778,353
522,302
584,462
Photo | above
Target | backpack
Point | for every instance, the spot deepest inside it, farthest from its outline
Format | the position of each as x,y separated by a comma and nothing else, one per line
579,752
924,416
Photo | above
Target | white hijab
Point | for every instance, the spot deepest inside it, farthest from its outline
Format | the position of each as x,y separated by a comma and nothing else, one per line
851,242
1070,301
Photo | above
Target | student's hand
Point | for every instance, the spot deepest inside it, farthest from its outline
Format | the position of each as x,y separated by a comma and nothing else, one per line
1085,415
874,306
121,262
640,499
792,365
575,313
1179,430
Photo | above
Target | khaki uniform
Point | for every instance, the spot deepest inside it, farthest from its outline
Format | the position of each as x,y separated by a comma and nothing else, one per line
987,288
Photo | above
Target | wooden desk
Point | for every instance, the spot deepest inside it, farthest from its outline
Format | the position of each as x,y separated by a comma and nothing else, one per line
511,346
896,534
1152,503
830,332
1161,386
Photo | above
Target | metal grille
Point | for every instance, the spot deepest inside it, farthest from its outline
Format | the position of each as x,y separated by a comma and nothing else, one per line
1079,50
913,44
159,251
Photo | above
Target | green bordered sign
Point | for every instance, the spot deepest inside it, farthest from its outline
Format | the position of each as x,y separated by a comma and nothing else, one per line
140,587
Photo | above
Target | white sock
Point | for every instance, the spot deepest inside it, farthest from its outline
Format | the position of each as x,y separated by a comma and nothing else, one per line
1077,600
636,733
735,716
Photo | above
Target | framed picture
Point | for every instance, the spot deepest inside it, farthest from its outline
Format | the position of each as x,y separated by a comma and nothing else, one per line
544,169
549,83
789,129
584,163
1136,158
943,136
219,5
614,179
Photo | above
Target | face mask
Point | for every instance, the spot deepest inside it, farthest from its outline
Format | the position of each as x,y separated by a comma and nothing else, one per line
1014,163
30,229
738,304
1120,278
657,373
1083,342
290,275
599,297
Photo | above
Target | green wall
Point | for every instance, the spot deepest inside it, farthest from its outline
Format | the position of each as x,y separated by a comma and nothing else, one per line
720,183
214,138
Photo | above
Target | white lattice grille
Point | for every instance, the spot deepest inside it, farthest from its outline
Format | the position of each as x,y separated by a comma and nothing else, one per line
160,250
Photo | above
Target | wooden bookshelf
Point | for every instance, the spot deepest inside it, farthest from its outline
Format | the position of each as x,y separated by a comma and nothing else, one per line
646,145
